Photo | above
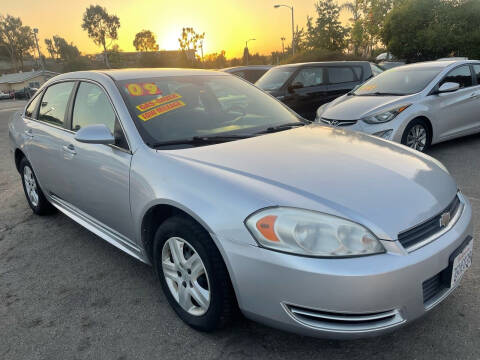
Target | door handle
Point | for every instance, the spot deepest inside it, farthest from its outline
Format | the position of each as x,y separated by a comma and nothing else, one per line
29,133
475,95
69,149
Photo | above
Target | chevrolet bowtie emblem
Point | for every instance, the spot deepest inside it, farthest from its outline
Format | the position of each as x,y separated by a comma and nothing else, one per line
445,219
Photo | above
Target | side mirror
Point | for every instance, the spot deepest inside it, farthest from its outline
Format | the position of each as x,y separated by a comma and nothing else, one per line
296,85
448,87
95,134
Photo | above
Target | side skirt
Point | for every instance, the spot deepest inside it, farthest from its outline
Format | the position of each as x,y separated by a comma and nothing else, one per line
99,229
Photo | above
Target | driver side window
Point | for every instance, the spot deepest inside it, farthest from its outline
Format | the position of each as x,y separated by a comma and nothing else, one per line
461,75
91,107
309,77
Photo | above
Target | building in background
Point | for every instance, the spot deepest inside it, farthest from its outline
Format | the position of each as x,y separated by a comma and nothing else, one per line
22,80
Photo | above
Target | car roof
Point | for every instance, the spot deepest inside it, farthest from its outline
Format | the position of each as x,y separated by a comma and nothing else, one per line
438,64
325,63
247,67
125,74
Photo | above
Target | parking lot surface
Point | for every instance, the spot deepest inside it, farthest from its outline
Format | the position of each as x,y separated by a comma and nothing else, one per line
67,294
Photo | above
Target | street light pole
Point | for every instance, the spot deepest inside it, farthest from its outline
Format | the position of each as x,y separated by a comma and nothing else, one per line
293,24
246,48
283,46
35,32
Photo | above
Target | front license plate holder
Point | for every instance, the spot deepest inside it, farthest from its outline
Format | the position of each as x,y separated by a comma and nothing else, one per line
459,262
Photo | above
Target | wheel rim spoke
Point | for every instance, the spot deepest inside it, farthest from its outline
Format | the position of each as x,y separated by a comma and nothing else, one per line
175,251
200,295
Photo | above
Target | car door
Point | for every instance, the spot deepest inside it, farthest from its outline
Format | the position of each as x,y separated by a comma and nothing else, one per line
455,112
99,175
341,80
306,91
47,136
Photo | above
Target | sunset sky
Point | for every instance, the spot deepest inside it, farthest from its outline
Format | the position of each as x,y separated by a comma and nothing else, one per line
227,23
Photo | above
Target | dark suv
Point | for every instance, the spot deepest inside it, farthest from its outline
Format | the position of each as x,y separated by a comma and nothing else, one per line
305,87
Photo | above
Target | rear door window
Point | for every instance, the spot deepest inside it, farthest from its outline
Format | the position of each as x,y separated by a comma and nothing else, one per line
339,75
461,75
54,103
310,77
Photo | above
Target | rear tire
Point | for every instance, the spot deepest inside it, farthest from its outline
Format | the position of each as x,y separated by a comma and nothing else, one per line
197,284
417,135
35,197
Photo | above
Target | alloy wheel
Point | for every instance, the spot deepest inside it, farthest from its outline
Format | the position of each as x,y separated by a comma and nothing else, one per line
30,185
186,276
417,138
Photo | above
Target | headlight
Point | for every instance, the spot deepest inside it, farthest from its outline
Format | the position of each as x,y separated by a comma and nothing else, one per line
320,112
310,233
385,116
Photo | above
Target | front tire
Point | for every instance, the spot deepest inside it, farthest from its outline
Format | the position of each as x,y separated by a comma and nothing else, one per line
35,197
193,274
417,135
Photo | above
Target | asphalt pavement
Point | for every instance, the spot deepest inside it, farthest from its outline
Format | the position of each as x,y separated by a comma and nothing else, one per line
67,294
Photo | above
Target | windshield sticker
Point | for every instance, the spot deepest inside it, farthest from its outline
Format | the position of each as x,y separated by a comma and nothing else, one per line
143,89
150,114
158,101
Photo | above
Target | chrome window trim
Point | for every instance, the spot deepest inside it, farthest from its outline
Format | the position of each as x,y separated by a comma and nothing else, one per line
451,224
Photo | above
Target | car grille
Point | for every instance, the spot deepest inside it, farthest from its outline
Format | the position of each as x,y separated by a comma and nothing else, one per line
410,239
338,123
433,287
345,322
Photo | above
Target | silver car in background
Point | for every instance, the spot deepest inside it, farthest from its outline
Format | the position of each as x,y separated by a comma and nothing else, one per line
238,203
417,105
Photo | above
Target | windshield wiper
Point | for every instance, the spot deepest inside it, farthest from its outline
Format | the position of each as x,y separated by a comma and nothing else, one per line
200,140
378,93
282,127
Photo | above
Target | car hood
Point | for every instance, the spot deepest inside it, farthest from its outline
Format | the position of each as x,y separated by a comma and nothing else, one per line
384,186
350,107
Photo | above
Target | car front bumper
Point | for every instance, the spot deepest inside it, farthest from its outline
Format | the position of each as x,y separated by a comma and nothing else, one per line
342,298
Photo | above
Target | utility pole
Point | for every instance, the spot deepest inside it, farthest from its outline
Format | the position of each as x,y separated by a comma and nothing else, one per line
293,24
35,32
283,46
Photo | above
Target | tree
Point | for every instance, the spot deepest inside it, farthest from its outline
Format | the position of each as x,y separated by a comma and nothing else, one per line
16,38
326,32
356,32
145,41
60,49
375,13
419,30
190,41
100,27
50,48
215,60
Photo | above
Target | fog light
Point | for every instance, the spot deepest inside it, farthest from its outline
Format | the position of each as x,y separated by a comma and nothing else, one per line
385,134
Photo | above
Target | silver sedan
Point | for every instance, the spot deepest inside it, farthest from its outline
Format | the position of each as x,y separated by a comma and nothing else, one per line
239,204
417,105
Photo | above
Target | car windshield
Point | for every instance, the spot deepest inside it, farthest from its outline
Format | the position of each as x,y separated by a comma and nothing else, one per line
399,81
274,78
170,109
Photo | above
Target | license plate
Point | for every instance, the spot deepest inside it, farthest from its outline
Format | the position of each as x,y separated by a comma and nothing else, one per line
461,263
